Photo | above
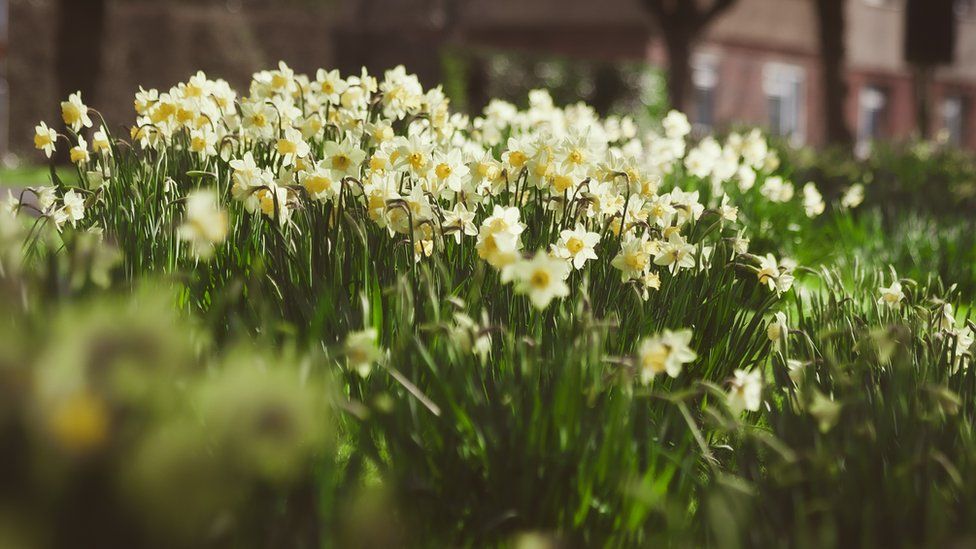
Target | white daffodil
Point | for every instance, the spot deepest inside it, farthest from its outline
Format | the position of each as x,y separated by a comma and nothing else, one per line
666,353
776,189
542,278
292,146
74,206
75,113
947,317
79,153
205,223
498,238
460,222
745,391
676,125
778,327
330,85
362,351
675,253
853,196
813,204
576,245
320,183
344,158
746,178
449,170
892,295
774,277
45,139
633,259
100,141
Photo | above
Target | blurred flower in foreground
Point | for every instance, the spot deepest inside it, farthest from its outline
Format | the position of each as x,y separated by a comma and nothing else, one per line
361,351
664,353
853,196
813,204
205,224
745,391
543,278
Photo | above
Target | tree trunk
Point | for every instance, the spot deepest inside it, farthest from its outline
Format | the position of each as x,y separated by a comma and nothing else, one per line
678,44
923,112
80,29
831,29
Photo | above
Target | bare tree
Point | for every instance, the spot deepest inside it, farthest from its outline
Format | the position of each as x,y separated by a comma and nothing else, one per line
681,23
831,30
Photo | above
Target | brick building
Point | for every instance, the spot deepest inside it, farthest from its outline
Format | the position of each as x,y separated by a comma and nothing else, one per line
757,64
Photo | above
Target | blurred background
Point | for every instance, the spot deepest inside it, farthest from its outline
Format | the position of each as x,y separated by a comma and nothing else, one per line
815,72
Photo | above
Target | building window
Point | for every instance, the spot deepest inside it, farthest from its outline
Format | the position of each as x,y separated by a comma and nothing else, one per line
954,112
882,3
783,86
872,104
704,79
966,8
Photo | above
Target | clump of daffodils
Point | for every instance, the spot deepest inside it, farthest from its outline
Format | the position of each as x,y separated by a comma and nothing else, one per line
433,178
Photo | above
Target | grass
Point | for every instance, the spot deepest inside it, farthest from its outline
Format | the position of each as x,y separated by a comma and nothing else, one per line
30,176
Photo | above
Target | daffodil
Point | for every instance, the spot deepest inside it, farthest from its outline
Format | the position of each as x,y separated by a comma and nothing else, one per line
777,329
291,146
79,153
205,223
498,238
100,141
75,113
74,206
577,246
776,189
853,196
542,278
745,391
320,182
813,204
774,277
361,351
676,125
460,222
330,85
675,253
450,170
45,139
343,158
892,295
664,353
633,258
